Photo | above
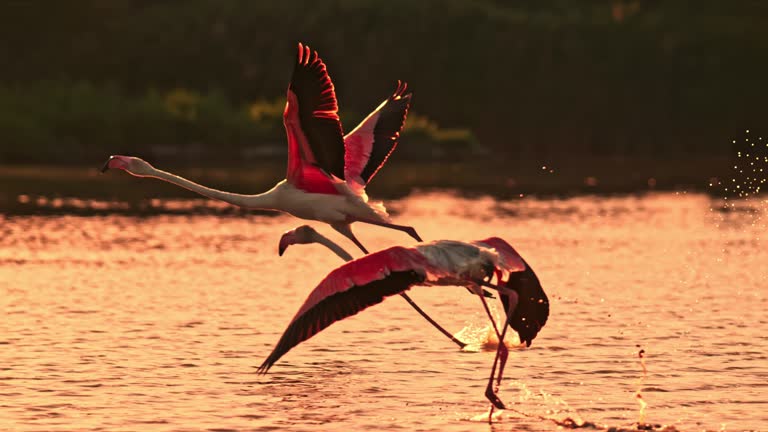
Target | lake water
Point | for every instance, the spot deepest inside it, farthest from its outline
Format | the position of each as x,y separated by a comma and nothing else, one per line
158,323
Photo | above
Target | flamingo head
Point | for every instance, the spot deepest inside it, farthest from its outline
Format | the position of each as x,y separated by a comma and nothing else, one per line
130,164
301,235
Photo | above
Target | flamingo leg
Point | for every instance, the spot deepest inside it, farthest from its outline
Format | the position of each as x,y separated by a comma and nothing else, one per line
490,316
512,295
411,231
501,350
346,231
505,353
491,392
433,322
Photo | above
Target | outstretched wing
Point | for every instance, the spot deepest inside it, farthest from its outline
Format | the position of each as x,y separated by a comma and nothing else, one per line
369,145
532,309
348,290
311,118
510,260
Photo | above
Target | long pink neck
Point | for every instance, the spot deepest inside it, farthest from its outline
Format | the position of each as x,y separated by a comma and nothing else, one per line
338,250
264,201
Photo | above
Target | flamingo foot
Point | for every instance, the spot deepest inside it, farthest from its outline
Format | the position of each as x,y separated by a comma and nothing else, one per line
411,231
491,395
359,245
346,231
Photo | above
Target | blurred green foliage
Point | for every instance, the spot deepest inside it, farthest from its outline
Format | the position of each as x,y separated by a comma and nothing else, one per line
531,78
79,122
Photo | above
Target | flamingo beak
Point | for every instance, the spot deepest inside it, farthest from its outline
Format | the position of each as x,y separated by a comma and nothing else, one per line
106,165
286,240
120,162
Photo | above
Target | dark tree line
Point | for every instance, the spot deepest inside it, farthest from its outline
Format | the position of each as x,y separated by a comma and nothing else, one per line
542,78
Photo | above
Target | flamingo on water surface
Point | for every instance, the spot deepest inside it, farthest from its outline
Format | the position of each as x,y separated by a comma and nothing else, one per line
367,281
327,171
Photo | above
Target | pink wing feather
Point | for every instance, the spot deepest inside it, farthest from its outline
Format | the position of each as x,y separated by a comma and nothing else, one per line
367,281
348,290
362,271
370,144
315,138
511,260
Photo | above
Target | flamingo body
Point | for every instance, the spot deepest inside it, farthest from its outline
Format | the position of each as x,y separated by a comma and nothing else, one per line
367,281
341,207
320,157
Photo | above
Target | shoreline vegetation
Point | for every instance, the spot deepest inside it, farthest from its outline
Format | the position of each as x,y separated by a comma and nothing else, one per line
73,189
72,121
533,97
524,80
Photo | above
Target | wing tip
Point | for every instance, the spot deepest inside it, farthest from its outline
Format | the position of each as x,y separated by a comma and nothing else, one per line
399,92
266,366
300,57
305,55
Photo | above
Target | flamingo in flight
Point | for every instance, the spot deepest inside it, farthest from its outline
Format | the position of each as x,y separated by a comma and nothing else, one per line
327,171
367,281
305,234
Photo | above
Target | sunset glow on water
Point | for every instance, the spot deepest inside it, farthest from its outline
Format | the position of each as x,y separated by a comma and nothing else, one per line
159,322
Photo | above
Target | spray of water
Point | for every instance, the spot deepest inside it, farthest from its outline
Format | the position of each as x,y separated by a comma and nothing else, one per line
740,201
640,384
740,196
482,337
557,411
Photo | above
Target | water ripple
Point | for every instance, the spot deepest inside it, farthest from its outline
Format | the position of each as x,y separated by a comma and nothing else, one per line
159,323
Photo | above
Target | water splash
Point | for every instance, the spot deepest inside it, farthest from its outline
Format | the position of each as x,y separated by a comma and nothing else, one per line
495,415
557,410
739,201
482,337
739,207
640,383
553,409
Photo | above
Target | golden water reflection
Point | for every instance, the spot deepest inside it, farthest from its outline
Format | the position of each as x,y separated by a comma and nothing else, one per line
158,323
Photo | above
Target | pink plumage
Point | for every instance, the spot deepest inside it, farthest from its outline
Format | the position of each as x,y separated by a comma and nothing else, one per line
363,271
370,144
314,187
512,261
367,281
